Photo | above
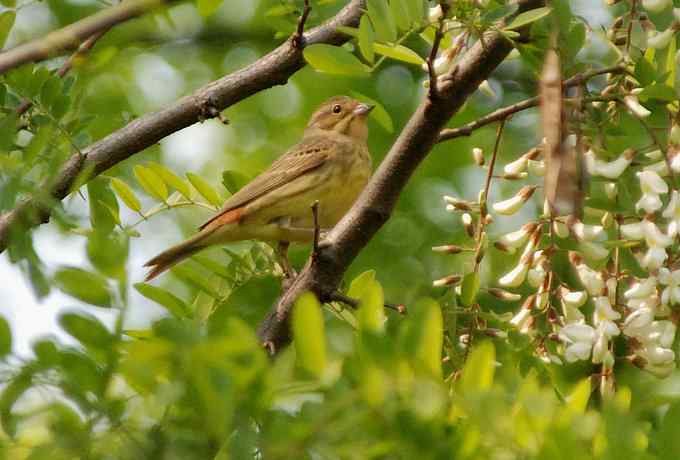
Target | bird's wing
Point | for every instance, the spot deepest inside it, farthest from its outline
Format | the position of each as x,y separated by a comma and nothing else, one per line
308,155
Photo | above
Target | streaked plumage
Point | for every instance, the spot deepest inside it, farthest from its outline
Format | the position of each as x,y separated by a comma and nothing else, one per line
331,164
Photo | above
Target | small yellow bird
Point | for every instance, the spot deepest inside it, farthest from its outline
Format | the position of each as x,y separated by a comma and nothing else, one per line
331,164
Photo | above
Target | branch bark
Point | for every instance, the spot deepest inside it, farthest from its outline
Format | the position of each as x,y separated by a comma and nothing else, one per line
323,273
74,34
273,69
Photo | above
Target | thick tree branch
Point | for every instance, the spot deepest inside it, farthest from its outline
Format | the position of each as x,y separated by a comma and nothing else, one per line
323,273
74,34
273,69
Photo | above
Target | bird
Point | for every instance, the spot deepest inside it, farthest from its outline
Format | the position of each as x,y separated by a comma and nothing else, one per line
330,166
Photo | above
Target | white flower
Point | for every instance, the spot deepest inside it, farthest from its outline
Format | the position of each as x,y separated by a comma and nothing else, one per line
656,6
512,205
478,155
591,279
634,231
657,242
672,213
522,320
518,237
574,299
637,321
435,13
660,40
657,355
610,170
600,347
611,190
671,293
604,310
661,332
642,289
516,166
635,107
579,339
515,277
587,232
660,167
536,276
652,185
675,163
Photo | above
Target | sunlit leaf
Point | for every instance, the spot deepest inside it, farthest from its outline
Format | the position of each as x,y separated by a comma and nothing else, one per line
528,17
151,182
398,52
6,22
171,179
400,13
126,194
308,334
334,60
371,314
205,189
366,38
208,7
382,19
577,401
469,289
378,113
479,369
429,350
5,338
233,181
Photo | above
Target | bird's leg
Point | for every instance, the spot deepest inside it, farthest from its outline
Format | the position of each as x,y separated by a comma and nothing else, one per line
317,230
282,253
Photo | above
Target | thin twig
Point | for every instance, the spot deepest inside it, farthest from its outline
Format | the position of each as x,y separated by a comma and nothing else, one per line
438,35
82,50
299,37
317,230
354,303
502,113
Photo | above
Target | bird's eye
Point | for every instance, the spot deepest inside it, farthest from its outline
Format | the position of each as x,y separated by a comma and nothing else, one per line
337,108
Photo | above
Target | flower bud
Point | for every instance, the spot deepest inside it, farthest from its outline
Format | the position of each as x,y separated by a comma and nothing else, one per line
611,190
516,166
467,224
449,249
518,237
512,205
478,155
504,295
635,107
515,277
587,232
574,299
446,281
460,205
518,176
485,88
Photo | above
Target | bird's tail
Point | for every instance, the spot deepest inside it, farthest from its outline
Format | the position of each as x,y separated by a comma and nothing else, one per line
175,255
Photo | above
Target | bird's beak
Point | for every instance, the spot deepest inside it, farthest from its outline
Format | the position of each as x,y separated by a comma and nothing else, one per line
362,109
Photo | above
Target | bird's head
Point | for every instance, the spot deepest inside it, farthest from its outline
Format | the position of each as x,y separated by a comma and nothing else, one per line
343,115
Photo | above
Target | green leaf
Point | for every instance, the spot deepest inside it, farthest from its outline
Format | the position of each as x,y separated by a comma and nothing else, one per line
366,38
10,395
6,22
186,273
429,349
416,11
87,329
171,179
234,181
371,314
351,31
361,283
5,338
8,131
126,194
645,73
577,401
103,206
382,19
308,334
207,7
528,17
667,437
108,252
151,182
170,301
83,285
480,368
469,289
378,113
334,60
398,52
400,13
658,91
205,189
